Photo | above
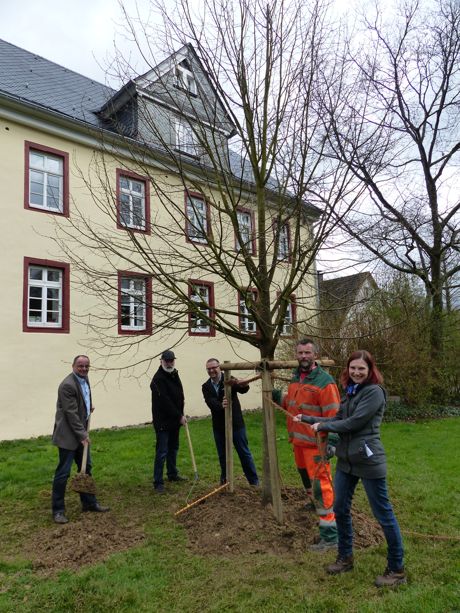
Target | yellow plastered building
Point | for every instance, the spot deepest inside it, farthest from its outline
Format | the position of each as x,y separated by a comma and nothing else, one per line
68,169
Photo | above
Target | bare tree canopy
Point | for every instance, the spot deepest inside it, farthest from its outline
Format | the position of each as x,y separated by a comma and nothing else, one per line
226,131
393,110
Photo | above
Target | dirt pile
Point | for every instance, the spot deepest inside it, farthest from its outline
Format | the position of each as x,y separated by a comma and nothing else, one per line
224,524
92,537
231,524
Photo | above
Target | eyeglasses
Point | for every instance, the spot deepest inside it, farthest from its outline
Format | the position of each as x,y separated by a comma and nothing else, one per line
86,367
213,368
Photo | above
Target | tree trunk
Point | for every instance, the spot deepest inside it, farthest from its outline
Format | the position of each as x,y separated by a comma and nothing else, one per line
271,487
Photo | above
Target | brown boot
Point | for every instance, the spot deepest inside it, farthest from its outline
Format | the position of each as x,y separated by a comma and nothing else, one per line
391,578
341,565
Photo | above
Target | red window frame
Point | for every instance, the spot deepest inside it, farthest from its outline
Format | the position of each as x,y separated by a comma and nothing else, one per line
65,268
121,172
30,146
198,196
148,304
210,285
253,249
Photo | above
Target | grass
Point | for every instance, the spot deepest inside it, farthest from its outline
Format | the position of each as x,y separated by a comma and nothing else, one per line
163,575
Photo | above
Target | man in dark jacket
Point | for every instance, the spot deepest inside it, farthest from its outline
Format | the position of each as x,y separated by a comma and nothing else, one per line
73,408
168,417
213,393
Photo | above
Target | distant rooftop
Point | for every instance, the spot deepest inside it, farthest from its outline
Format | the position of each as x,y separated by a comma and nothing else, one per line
343,290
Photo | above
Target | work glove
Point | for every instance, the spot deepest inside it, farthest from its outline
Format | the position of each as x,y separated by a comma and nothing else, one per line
330,451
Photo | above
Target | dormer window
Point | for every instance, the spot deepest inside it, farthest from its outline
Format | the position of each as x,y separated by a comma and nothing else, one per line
185,79
185,138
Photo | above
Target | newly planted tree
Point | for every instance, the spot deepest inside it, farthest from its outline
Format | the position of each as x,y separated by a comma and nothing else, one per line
224,137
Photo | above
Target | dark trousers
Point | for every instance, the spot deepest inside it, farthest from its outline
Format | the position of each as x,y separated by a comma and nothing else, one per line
166,448
240,442
62,474
376,490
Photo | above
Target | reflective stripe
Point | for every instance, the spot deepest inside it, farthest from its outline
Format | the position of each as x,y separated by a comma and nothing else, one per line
328,524
330,407
302,437
313,408
323,511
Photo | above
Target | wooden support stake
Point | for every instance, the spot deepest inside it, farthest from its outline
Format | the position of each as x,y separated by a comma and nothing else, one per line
271,365
228,430
247,381
192,504
272,452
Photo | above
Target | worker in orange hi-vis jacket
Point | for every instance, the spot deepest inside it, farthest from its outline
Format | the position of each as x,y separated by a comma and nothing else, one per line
312,392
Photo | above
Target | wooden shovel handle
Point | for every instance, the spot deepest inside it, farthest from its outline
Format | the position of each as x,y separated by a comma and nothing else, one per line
189,439
85,449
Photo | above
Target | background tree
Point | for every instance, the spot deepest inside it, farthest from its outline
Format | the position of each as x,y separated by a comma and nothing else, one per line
394,114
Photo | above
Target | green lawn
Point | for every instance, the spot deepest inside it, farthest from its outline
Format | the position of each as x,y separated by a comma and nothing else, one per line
163,575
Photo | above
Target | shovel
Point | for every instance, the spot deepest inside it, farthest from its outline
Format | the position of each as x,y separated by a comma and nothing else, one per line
191,451
83,483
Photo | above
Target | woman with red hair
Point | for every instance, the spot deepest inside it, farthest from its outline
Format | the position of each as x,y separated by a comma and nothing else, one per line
361,456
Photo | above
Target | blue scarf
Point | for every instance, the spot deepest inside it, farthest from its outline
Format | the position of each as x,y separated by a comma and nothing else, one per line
353,388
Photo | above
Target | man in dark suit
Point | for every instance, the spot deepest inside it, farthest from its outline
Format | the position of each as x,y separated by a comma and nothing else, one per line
213,393
73,408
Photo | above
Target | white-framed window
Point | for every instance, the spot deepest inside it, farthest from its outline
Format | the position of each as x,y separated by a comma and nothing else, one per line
46,181
44,297
284,243
185,138
197,219
288,323
133,303
131,202
247,323
202,296
245,226
185,79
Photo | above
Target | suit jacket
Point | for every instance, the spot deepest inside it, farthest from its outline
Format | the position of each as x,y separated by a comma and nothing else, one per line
214,402
71,415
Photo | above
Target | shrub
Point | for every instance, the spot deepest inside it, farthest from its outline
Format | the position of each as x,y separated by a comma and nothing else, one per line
400,411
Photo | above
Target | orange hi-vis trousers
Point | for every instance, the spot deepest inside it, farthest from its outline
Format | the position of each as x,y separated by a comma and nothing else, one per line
319,473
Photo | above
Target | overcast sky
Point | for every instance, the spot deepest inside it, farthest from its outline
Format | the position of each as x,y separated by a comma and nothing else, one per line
78,34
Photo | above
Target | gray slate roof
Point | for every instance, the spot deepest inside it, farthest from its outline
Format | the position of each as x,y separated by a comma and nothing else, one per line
343,291
31,78
337,296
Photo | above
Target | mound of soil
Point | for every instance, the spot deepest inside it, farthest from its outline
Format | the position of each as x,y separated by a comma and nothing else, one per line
227,524
90,538
235,523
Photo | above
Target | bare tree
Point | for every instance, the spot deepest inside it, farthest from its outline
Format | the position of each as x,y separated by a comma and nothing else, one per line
394,118
248,217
